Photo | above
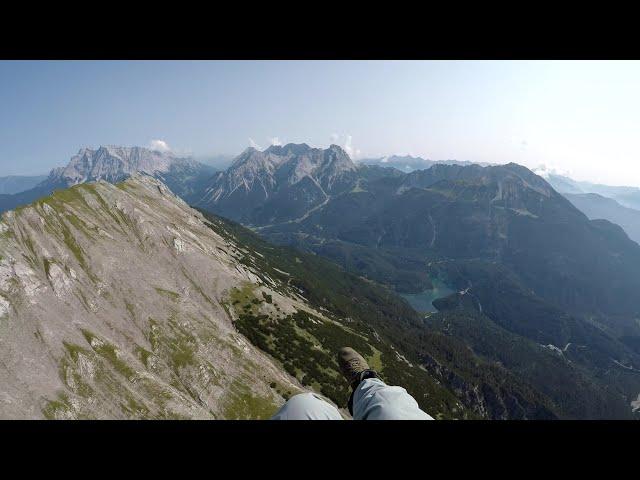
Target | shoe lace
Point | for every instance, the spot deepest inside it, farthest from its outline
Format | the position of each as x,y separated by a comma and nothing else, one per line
355,366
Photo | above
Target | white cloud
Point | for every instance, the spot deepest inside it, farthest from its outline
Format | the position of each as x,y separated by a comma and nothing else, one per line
347,145
349,148
159,145
274,141
546,170
254,144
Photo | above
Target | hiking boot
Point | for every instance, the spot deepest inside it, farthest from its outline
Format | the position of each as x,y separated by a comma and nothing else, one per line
354,367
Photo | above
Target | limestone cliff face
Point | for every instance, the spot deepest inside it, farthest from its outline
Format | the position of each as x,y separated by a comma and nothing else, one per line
281,183
115,302
184,176
114,163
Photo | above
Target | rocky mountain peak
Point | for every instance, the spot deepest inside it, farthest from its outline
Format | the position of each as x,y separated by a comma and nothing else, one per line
308,174
289,149
338,152
113,163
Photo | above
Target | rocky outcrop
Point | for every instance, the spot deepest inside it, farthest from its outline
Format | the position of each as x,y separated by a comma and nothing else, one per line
113,164
281,183
114,303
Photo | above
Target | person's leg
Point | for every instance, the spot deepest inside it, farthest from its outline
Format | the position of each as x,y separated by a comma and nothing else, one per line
307,406
374,400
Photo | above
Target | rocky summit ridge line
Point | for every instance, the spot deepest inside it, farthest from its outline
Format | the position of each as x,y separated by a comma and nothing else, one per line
183,175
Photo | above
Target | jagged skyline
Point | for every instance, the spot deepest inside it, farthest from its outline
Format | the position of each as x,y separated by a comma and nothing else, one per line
576,117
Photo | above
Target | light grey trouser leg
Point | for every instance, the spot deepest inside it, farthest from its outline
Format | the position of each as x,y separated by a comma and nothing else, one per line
307,406
374,400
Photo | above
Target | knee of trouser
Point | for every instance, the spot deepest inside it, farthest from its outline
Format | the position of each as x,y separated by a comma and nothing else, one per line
307,406
303,397
304,400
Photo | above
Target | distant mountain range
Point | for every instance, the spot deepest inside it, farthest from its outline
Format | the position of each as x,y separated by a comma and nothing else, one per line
626,196
19,183
219,162
597,206
113,164
407,163
619,205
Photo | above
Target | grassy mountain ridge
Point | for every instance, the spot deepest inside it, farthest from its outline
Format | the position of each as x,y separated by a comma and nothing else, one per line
112,305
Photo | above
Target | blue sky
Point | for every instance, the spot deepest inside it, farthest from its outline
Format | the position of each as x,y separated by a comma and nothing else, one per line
578,117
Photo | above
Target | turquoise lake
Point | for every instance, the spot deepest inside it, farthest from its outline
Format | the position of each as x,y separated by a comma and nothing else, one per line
421,302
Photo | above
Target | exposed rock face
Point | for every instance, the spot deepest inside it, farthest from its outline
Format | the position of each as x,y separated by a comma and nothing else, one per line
183,176
280,183
114,303
112,164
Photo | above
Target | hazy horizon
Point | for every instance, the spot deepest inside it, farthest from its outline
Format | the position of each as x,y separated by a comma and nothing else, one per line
574,117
